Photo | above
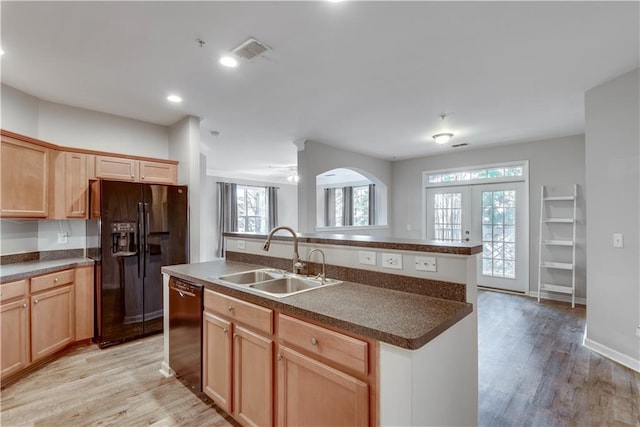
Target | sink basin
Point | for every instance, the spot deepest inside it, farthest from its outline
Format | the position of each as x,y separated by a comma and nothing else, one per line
291,285
275,282
250,277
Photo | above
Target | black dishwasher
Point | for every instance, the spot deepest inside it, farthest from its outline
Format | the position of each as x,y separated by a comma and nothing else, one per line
185,332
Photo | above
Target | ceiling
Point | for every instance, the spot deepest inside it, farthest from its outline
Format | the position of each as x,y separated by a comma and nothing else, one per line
370,77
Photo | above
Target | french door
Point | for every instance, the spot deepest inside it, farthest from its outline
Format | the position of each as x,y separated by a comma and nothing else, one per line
495,214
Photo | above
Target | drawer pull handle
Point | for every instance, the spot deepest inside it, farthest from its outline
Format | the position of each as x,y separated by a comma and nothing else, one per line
314,341
230,308
56,280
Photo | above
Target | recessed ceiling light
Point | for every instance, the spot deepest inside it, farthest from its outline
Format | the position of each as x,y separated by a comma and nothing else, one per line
334,1
174,98
442,138
229,61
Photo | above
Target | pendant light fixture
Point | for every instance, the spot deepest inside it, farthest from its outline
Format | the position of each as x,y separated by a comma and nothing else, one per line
444,137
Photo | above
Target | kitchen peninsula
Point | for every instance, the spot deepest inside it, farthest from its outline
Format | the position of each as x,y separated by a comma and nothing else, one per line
387,346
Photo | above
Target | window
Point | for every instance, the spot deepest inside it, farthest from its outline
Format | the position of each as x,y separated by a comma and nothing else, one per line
482,174
499,233
251,205
348,206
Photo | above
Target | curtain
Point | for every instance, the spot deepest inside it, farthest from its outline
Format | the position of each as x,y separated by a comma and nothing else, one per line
329,207
272,207
372,204
227,213
347,206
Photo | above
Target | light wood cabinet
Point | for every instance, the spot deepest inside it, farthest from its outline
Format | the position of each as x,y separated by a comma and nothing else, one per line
312,393
117,168
238,359
52,321
217,362
25,178
14,322
68,185
156,172
84,312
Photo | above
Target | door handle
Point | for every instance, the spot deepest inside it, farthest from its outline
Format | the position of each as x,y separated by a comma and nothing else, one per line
140,231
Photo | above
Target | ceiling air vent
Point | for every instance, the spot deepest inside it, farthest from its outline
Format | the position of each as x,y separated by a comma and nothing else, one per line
463,144
250,48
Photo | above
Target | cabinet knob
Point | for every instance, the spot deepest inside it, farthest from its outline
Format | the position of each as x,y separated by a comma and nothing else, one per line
142,177
24,305
225,330
56,280
314,341
230,308
279,356
133,176
235,335
82,212
36,301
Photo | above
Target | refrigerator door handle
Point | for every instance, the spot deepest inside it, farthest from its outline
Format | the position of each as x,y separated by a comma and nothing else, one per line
139,220
146,237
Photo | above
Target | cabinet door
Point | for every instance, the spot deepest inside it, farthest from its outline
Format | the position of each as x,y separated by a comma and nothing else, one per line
52,321
253,378
76,184
24,176
14,318
216,360
311,393
116,168
84,303
156,172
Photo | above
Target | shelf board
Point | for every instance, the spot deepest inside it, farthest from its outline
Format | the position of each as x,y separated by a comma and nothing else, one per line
556,198
559,265
556,288
558,242
563,220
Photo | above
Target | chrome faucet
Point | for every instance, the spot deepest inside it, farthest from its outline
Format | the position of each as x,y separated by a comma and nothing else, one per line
297,262
323,275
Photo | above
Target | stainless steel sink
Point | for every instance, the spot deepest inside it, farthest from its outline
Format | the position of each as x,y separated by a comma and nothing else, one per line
275,282
291,285
254,276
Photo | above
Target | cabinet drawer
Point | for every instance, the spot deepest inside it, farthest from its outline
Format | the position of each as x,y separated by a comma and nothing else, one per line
52,280
341,349
13,290
254,316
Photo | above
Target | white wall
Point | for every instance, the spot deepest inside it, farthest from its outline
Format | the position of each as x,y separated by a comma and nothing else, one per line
558,161
184,146
317,158
18,236
613,177
18,111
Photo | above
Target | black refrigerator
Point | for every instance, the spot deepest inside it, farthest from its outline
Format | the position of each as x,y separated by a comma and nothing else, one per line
134,229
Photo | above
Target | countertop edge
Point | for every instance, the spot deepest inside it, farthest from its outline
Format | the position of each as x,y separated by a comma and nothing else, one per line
38,271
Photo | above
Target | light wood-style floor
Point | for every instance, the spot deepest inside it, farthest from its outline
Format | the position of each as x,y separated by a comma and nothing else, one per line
533,372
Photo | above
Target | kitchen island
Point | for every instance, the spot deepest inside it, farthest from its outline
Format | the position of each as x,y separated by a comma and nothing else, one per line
407,357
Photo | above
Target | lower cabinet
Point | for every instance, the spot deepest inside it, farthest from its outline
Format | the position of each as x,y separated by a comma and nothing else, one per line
237,372
14,318
313,393
52,321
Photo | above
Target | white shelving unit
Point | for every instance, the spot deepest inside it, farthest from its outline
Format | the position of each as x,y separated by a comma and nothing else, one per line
557,249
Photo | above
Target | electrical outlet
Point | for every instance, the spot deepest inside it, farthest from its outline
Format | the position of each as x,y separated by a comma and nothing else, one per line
618,240
392,261
241,244
62,238
366,257
426,263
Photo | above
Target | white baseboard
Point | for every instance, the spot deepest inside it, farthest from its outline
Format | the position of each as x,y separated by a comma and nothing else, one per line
557,297
610,353
166,370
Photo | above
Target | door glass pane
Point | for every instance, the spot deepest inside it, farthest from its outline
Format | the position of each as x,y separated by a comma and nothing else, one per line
447,216
498,233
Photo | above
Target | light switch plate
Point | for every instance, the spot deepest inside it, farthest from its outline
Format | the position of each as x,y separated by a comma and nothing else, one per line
241,244
62,238
366,257
392,261
426,263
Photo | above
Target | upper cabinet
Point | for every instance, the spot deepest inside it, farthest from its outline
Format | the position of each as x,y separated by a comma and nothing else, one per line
147,171
68,185
24,178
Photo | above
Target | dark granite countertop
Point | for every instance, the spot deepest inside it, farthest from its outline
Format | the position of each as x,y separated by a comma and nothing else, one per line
399,318
418,245
26,270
